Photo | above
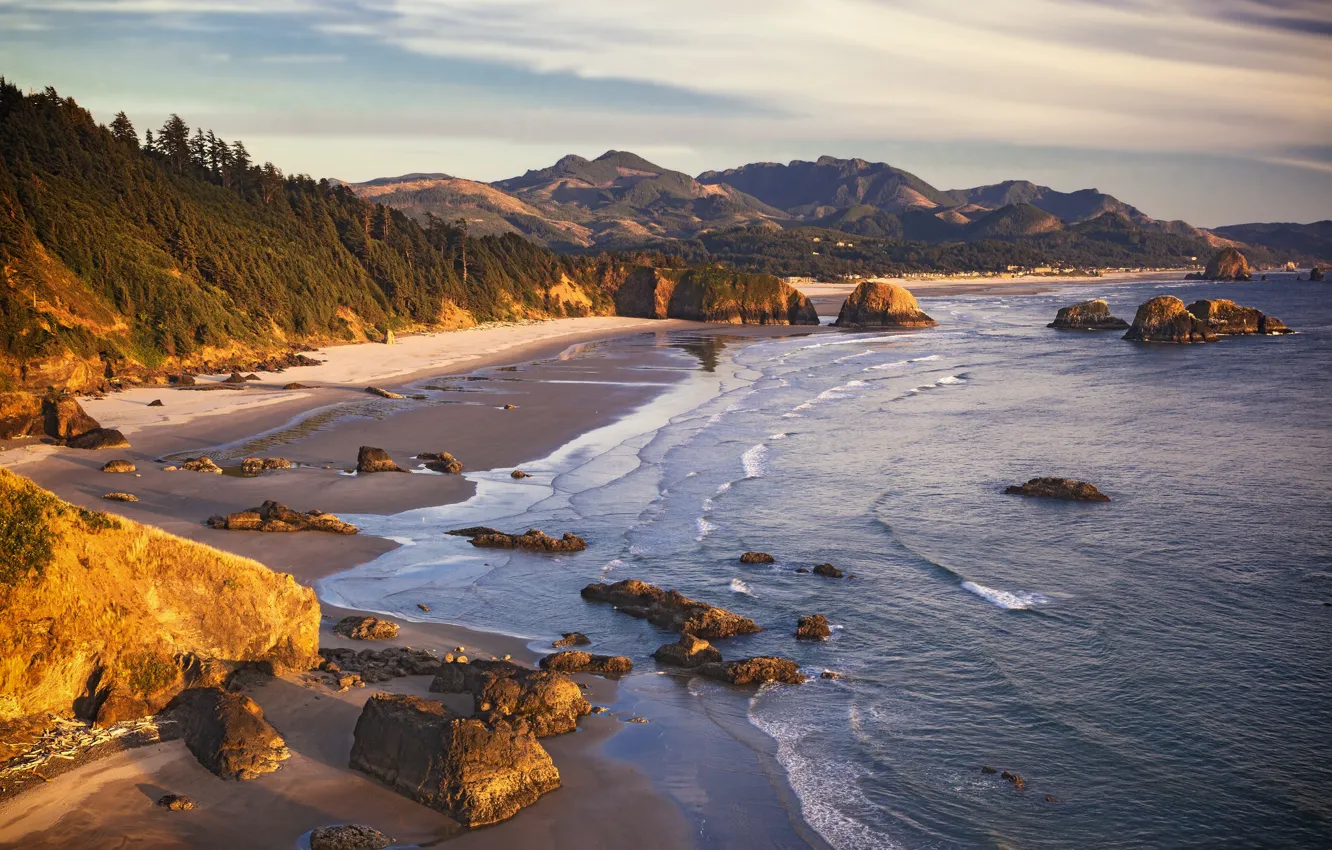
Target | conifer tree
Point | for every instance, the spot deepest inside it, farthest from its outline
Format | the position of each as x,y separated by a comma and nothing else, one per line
173,141
123,130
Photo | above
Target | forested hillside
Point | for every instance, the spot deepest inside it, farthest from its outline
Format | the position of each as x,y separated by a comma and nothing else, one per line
122,253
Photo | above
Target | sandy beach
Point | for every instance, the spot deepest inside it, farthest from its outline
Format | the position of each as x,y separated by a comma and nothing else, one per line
558,395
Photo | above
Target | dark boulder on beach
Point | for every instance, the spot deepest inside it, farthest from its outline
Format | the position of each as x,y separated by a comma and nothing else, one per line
877,304
182,380
370,459
827,571
350,836
99,438
1228,264
572,639
118,466
755,671
157,402
274,516
532,540
366,628
1227,318
670,610
1058,488
813,627
227,733
234,378
688,651
757,558
475,771
547,700
573,661
1091,315
1166,319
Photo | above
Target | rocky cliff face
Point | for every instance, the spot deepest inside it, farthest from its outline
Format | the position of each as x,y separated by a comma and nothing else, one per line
712,295
109,619
1227,264
875,304
1166,319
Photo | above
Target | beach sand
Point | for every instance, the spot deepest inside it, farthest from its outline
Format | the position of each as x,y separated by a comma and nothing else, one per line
604,802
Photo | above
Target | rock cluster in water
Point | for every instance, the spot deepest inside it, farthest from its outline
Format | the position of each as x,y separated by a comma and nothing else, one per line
877,304
670,609
1058,488
574,661
532,540
370,459
754,671
1166,319
276,517
1091,315
1229,319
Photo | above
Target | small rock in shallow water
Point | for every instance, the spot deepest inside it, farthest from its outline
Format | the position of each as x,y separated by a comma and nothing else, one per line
1018,782
423,606
985,768
756,558
572,639
829,674
175,802
813,627
1058,488
349,836
637,720
828,571
518,473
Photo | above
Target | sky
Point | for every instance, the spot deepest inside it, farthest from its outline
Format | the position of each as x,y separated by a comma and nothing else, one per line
1212,111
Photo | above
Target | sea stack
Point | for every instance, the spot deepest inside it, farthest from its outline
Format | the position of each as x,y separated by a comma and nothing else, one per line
1091,315
1166,319
1228,318
1227,264
876,304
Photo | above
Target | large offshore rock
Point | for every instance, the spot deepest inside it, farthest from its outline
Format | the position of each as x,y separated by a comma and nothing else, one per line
1058,488
1228,318
670,610
1091,315
1166,319
878,304
474,771
1227,264
228,734
712,295
533,540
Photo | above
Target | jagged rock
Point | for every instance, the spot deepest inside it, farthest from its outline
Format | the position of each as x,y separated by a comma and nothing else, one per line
1058,488
182,380
382,393
813,627
670,610
157,402
350,836
1228,318
475,772
688,651
518,473
877,304
64,419
573,661
273,516
827,571
120,497
256,465
228,734
1166,319
531,540
1091,315
757,558
441,462
366,628
175,802
381,665
370,459
99,438
549,701
251,377
234,378
572,639
118,466
1227,264
201,464
1018,782
755,671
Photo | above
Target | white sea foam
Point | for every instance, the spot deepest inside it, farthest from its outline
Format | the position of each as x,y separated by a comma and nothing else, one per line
852,341
738,586
612,566
1003,598
951,379
853,356
708,505
704,528
897,363
723,487
780,435
752,461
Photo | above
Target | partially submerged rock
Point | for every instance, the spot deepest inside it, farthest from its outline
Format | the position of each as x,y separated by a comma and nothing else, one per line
228,734
518,473
531,540
827,571
813,627
366,628
878,304
688,651
1058,488
573,661
572,639
755,671
382,393
474,771
1166,319
756,558
1091,315
120,497
256,465
273,516
201,464
441,462
99,438
370,459
348,836
670,609
118,466
1228,318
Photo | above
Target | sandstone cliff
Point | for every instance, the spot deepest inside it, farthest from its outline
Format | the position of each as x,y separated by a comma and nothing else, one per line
876,304
109,619
712,295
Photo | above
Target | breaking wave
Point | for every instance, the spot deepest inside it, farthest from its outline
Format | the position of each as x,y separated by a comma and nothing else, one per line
1003,598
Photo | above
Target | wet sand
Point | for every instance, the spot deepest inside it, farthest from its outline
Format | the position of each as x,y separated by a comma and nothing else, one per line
604,802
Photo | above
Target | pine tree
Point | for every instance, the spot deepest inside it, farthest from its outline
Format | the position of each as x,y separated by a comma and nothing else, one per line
148,143
123,130
199,149
240,164
173,141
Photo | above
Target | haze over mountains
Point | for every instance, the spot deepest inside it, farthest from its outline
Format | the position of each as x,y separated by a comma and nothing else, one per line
620,200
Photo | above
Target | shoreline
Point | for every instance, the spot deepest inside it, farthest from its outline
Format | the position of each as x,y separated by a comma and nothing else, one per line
599,787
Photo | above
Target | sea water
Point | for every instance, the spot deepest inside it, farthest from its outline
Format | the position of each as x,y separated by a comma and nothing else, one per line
1159,667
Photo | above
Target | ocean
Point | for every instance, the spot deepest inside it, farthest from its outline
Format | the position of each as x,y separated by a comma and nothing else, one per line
1158,669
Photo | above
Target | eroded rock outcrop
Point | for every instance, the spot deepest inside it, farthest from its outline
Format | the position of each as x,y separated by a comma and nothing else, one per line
813,627
370,459
878,304
256,465
359,627
201,464
755,671
1227,318
1058,488
474,771
1228,264
688,651
274,516
120,497
441,462
349,836
712,295
756,558
381,665
1166,319
118,466
548,701
99,438
532,540
574,661
572,639
670,609
1091,315
228,734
